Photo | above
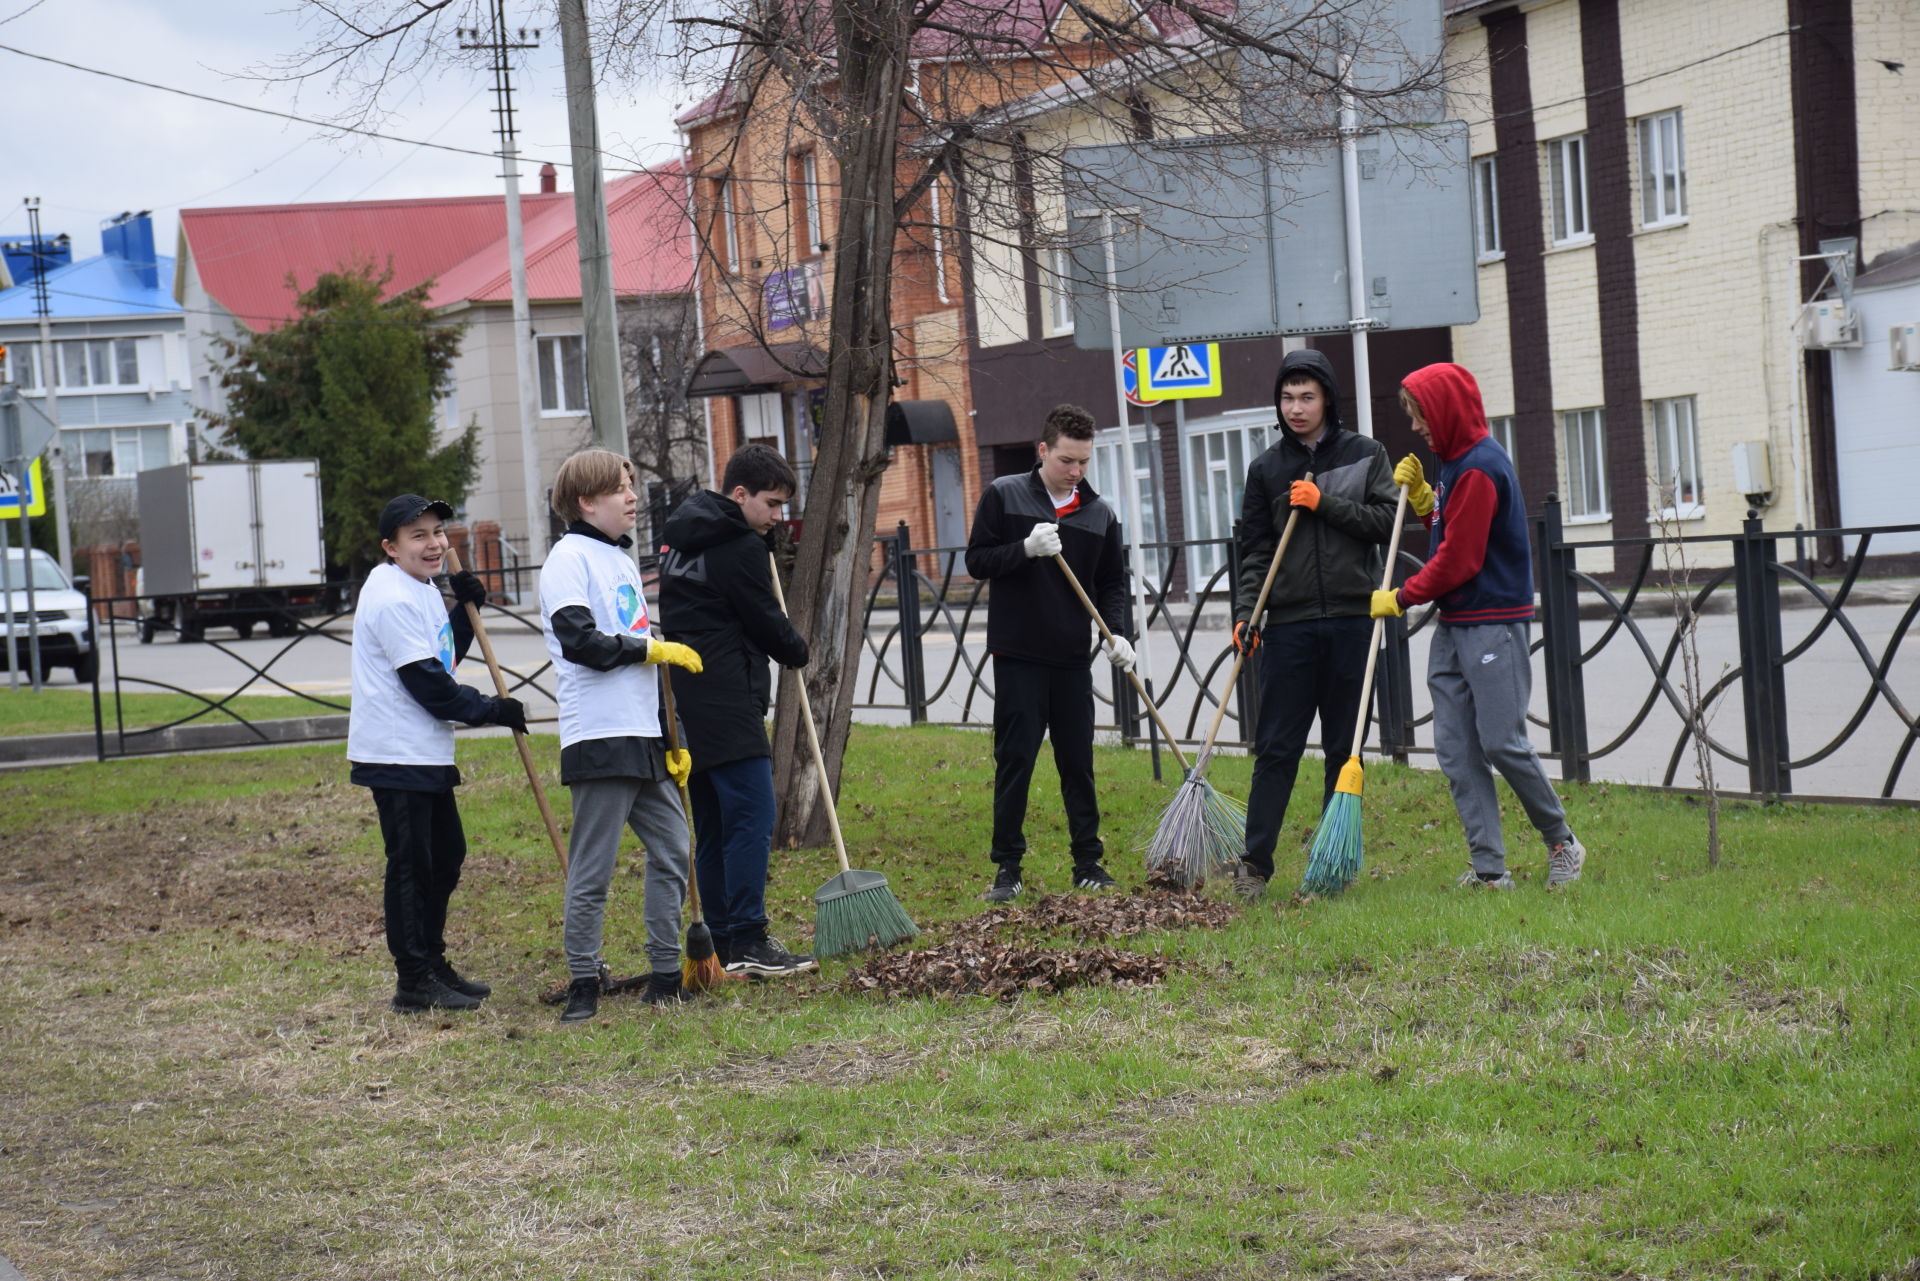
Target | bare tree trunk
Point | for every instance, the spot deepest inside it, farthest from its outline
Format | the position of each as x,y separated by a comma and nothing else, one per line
843,496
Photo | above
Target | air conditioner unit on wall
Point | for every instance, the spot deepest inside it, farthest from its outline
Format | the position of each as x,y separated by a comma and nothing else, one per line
1903,346
1826,325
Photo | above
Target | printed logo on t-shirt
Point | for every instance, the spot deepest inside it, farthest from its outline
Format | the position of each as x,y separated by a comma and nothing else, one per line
630,608
443,647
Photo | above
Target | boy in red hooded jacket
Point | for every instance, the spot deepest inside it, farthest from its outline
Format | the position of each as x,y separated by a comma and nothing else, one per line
1481,572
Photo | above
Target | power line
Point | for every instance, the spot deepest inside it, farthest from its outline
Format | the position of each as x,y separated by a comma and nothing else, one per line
263,111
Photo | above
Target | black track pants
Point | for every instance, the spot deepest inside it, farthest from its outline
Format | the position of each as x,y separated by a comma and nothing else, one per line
1306,669
1031,701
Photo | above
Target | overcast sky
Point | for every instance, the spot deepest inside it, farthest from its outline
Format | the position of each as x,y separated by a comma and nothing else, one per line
91,147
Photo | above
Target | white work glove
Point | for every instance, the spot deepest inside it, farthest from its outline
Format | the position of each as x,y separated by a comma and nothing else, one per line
1120,653
1043,540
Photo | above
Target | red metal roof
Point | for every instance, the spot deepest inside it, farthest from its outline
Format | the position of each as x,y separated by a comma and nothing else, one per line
255,259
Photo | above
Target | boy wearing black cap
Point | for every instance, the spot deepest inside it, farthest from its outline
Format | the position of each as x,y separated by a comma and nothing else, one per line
400,742
1317,626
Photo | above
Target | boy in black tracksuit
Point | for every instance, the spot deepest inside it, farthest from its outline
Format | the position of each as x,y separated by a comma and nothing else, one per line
1318,625
716,594
1039,635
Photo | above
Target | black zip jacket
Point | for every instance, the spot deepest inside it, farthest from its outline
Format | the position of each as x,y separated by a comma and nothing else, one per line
1034,615
1333,564
716,594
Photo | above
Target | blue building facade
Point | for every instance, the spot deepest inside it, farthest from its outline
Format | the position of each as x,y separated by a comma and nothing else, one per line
119,358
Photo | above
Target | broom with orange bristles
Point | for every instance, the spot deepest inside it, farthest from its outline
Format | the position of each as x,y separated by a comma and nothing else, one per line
701,968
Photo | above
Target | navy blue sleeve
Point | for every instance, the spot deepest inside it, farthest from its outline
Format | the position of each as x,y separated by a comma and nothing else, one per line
434,688
583,643
462,626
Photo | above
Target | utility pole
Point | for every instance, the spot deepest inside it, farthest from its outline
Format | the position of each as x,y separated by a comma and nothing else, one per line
525,376
1360,322
63,535
605,395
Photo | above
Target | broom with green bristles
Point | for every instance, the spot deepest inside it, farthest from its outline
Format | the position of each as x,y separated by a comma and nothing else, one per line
1338,848
854,909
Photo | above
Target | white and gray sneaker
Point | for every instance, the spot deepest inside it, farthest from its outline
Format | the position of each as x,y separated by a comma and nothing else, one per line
1564,862
1472,880
765,958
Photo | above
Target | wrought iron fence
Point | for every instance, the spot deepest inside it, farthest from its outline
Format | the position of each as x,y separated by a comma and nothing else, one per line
307,659
1607,700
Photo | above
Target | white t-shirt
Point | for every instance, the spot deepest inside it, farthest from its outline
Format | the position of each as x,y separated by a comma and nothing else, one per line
398,620
622,703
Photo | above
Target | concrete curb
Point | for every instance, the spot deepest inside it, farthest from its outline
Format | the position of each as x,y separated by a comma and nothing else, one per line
9,1273
178,738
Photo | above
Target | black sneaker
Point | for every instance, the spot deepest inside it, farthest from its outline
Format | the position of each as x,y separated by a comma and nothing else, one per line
1006,884
664,988
465,986
429,993
766,957
583,1001
1092,876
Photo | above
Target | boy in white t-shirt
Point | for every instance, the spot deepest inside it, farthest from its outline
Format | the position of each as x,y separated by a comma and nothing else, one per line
400,742
613,757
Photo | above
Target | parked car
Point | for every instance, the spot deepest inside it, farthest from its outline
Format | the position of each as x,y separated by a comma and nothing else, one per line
66,633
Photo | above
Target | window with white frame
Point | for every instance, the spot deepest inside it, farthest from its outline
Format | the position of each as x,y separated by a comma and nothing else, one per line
1663,170
1486,207
118,451
22,366
813,234
1676,458
1501,429
1584,436
563,373
1059,275
1567,180
1105,477
98,362
729,232
1216,480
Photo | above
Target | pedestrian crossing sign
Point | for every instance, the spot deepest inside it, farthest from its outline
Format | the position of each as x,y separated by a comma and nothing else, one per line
1185,371
36,495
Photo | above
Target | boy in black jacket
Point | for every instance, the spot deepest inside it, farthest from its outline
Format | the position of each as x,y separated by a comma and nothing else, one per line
716,594
1317,626
1040,638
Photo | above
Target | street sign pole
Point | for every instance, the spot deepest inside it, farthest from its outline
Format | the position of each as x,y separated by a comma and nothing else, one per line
26,567
1135,530
6,591
1356,267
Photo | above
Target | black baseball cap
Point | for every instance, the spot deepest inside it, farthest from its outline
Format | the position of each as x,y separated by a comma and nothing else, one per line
408,508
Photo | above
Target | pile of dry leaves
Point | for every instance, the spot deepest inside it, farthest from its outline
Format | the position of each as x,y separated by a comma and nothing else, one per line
1094,917
968,967
974,962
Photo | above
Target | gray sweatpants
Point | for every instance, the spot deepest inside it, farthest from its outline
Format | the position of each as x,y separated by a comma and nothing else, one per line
601,807
1480,681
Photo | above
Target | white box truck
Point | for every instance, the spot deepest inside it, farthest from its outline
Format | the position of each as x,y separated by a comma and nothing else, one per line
233,544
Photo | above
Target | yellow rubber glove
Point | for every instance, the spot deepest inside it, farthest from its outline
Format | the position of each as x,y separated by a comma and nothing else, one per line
666,651
679,766
1419,492
1386,605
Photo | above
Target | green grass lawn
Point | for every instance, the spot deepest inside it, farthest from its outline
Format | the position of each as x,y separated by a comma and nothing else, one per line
68,711
1662,1072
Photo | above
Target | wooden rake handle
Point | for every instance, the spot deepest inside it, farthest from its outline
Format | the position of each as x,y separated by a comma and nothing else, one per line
1259,610
1073,581
519,739
1379,624
813,736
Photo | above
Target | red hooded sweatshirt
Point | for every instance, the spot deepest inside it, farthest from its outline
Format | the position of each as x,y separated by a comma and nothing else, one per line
1481,569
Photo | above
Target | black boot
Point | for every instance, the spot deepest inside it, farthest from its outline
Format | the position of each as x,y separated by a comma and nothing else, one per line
429,993
459,982
664,988
583,1000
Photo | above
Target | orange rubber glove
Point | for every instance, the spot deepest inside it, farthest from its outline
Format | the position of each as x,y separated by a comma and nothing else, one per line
1304,494
1246,637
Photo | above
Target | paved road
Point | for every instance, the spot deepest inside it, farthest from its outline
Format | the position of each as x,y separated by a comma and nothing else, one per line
1824,688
